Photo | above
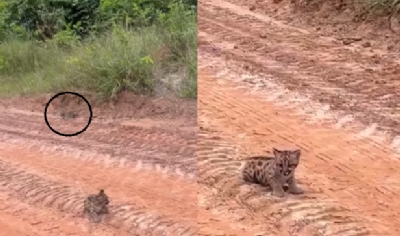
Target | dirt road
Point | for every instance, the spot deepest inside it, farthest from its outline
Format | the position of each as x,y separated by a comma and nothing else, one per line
145,164
263,83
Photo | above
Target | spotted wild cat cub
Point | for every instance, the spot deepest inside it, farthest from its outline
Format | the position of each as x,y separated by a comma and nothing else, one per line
96,204
276,172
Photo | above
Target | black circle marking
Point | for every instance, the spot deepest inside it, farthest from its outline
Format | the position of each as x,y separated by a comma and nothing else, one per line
74,134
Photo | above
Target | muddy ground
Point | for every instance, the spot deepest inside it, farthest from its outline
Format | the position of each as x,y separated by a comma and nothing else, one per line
272,73
140,150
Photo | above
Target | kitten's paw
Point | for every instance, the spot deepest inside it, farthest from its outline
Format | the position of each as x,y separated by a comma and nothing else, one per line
296,190
105,210
279,194
95,219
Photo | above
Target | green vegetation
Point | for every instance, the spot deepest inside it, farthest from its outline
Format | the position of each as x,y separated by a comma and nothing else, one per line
373,7
382,6
98,47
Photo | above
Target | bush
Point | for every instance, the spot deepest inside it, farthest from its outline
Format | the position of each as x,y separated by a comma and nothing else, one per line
179,30
121,48
116,61
44,18
383,6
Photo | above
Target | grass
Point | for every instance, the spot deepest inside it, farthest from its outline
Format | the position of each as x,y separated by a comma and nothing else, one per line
382,5
105,64
379,7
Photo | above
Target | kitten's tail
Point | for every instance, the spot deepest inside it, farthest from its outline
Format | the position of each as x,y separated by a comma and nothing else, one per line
241,169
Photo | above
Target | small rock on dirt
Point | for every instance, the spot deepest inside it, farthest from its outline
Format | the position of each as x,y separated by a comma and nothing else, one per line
356,39
263,35
347,41
366,44
252,8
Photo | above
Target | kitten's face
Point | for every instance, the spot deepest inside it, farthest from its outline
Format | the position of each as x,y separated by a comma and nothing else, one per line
286,161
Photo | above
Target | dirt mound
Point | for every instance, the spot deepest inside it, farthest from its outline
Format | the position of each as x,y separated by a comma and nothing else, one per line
340,18
126,105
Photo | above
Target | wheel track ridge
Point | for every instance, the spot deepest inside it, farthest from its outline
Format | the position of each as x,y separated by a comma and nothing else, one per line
222,16
67,203
230,6
225,30
115,142
304,214
99,178
123,160
125,129
336,119
377,137
333,118
253,122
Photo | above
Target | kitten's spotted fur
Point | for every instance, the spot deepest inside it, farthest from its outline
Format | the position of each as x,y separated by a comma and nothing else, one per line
275,172
68,115
96,204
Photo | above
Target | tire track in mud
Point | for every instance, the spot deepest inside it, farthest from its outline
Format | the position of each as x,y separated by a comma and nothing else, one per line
217,104
150,158
337,98
262,51
21,220
279,38
115,178
305,215
304,107
151,146
150,192
292,40
121,135
128,216
262,47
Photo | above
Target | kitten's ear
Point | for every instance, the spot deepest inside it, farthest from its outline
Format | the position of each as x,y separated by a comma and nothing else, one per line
276,152
296,154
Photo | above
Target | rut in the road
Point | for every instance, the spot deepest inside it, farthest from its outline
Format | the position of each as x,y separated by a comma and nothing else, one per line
305,215
41,192
129,143
289,56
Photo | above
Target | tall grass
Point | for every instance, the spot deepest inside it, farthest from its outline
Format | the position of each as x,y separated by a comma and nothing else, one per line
106,63
386,6
179,29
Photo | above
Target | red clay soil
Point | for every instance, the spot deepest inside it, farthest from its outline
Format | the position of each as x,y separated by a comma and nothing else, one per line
264,81
140,150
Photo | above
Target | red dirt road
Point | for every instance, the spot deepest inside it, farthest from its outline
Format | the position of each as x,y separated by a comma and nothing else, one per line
264,83
145,163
